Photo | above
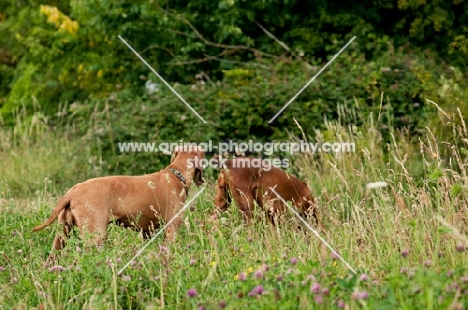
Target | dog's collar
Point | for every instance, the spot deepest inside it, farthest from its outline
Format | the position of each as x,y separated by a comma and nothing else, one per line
181,178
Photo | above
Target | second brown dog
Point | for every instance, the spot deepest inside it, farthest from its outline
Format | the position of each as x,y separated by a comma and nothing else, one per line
246,185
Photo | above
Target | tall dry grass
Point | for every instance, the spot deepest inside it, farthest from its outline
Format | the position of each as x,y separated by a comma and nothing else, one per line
36,155
406,240
372,226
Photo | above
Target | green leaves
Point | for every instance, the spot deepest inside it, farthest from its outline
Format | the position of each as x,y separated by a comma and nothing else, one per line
222,39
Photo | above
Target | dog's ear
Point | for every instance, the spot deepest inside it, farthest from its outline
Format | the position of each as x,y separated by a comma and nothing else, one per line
174,154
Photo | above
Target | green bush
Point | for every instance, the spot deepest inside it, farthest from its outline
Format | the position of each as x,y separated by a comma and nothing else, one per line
67,59
240,106
74,45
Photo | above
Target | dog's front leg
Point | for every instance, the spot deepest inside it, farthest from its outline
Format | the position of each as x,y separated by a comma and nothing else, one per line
245,202
171,230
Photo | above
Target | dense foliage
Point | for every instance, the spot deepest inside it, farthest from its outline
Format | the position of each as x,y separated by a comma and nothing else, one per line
236,62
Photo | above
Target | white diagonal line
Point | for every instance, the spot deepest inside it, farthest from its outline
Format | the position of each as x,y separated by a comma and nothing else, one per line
160,77
160,231
313,230
311,80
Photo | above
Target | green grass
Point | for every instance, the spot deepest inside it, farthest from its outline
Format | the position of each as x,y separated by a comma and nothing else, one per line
371,229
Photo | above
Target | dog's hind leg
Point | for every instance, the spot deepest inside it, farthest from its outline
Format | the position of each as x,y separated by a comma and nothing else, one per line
92,223
98,232
317,216
65,218
277,208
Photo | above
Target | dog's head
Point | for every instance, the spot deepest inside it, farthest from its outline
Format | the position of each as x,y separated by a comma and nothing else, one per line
193,157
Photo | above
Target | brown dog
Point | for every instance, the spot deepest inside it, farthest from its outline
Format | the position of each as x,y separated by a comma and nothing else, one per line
245,182
140,202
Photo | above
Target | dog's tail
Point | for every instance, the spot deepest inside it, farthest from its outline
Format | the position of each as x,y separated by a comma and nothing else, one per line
62,204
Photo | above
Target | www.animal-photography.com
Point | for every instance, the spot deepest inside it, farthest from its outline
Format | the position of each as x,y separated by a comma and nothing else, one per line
233,154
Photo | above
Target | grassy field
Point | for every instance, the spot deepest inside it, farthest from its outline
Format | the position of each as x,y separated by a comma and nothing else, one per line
407,241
